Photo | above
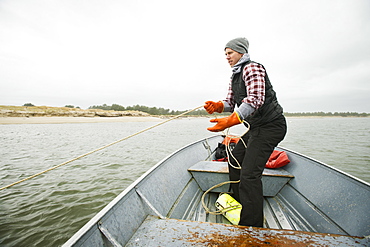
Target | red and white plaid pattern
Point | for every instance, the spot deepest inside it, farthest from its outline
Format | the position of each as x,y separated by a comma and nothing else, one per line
254,78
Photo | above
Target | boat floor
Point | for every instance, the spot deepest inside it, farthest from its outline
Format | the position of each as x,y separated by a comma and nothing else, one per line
173,232
196,228
277,215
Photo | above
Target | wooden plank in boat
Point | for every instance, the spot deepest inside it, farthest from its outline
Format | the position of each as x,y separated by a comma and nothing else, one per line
172,232
222,167
210,173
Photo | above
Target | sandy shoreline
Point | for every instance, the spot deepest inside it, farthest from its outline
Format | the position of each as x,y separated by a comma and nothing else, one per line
60,120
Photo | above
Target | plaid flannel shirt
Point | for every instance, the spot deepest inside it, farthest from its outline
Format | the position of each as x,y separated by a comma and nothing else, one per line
254,78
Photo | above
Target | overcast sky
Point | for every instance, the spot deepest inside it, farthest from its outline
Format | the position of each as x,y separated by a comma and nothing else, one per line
170,54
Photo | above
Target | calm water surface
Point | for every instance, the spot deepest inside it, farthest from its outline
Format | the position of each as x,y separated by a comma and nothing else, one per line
49,209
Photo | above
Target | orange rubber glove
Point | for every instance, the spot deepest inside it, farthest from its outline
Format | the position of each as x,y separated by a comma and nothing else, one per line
212,107
226,122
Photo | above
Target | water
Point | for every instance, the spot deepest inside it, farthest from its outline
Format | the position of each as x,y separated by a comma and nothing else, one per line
343,143
48,209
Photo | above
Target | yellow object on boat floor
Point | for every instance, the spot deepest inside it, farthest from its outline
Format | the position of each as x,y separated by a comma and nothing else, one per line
229,207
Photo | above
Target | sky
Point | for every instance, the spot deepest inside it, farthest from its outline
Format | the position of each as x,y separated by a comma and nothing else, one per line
170,54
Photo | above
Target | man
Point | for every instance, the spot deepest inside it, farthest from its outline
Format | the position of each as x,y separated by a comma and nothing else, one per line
251,99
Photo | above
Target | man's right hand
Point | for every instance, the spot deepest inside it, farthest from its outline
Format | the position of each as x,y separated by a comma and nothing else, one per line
212,107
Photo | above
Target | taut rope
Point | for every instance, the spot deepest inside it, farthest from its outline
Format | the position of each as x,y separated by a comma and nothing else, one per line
81,156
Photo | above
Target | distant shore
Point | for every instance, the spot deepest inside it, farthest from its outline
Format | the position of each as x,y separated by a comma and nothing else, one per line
49,115
64,120
61,120
60,115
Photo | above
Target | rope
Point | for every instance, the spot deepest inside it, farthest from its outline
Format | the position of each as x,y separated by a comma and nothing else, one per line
228,153
96,150
221,211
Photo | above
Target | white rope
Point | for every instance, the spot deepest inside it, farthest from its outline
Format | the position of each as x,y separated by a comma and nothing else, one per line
221,211
228,149
96,150
228,153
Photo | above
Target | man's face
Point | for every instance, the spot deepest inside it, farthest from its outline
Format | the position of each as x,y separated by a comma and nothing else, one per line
232,56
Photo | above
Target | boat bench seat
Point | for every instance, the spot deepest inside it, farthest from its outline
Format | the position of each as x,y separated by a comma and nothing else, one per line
210,173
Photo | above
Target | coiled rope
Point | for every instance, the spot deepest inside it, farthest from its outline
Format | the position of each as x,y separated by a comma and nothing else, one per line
228,153
98,149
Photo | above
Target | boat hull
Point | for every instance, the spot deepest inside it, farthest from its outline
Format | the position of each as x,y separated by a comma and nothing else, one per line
316,199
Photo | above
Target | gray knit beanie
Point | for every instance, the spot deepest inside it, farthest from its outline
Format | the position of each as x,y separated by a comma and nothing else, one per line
239,45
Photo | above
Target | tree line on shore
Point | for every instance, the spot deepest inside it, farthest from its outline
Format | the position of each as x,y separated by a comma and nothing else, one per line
202,112
149,110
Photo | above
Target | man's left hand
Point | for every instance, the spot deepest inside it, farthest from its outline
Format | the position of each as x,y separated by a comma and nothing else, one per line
226,122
